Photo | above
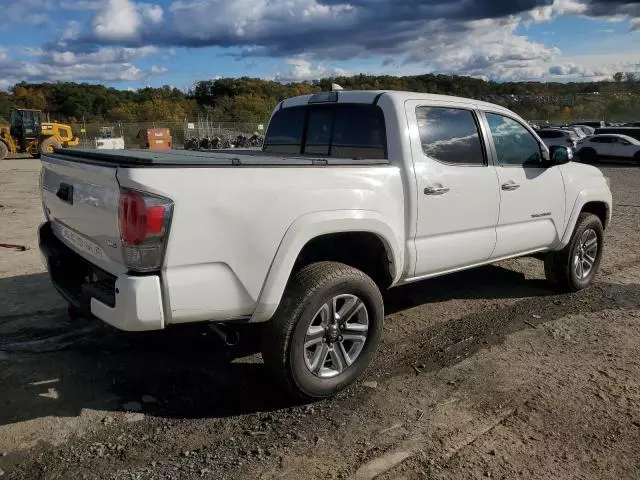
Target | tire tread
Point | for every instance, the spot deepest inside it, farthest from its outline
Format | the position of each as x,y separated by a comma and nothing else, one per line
302,286
557,265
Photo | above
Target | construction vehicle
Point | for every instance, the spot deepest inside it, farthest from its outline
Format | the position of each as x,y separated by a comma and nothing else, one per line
28,134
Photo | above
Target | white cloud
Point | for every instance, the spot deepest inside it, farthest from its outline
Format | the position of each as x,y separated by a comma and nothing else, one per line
102,56
485,48
151,13
413,36
117,20
71,32
251,19
81,5
31,12
36,19
155,70
123,20
303,70
594,67
14,72
569,7
104,65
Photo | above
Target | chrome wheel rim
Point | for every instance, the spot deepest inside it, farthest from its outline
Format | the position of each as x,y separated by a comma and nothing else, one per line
336,336
586,254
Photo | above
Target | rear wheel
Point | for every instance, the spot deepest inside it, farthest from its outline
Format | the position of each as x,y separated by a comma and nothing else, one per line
4,151
49,145
325,331
575,267
636,158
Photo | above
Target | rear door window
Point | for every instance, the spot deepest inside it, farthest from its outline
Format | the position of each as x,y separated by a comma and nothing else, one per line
450,135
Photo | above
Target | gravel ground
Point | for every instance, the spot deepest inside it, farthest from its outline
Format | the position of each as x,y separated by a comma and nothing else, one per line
483,374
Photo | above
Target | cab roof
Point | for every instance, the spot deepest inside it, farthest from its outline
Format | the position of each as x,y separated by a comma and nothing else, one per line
371,96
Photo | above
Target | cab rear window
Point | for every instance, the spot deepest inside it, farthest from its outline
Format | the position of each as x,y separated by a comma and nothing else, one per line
355,131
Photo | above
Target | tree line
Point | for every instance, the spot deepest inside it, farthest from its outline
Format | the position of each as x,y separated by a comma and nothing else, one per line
252,100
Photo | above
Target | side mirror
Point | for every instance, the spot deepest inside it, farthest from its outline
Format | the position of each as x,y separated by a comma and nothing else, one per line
560,155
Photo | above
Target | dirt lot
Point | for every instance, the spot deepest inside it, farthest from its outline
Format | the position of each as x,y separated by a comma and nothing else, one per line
483,374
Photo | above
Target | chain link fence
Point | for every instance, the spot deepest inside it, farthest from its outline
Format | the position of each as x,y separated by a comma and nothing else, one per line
180,131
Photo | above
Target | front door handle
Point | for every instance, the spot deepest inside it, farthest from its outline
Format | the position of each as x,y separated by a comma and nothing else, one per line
436,189
510,186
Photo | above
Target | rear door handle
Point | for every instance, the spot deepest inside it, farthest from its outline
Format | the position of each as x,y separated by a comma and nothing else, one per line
510,186
436,190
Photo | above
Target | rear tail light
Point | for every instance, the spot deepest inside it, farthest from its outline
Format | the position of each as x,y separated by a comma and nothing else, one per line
144,221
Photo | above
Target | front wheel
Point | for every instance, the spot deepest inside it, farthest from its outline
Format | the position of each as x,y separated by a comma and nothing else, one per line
325,331
574,268
49,145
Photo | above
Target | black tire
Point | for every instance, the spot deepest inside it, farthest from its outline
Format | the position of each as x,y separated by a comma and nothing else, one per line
636,158
48,145
560,267
4,150
588,155
283,340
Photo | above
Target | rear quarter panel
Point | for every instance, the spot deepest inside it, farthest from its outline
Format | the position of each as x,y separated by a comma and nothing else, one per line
228,224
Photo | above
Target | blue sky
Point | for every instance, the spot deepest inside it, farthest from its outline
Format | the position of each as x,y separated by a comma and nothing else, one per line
130,43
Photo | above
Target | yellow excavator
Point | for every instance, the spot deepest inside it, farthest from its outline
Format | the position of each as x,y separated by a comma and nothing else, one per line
28,134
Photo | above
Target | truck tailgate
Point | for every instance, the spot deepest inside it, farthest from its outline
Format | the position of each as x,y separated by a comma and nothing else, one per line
81,201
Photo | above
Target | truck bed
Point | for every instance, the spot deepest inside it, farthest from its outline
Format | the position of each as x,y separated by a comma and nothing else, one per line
209,158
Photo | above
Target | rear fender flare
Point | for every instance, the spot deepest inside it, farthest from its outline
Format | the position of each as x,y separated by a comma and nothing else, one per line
311,226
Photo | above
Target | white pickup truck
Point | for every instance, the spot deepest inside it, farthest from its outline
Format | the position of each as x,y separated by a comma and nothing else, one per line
354,192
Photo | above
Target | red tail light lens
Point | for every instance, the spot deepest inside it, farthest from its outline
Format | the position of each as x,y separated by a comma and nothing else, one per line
144,220
133,218
155,218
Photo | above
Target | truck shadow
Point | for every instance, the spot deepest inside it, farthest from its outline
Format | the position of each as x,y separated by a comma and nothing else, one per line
50,367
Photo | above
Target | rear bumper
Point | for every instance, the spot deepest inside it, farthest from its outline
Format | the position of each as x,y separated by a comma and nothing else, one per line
132,303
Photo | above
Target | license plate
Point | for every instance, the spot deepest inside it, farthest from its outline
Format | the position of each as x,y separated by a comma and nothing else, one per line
82,243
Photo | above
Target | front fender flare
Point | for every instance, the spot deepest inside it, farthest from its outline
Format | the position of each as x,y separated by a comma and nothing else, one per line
311,226
585,196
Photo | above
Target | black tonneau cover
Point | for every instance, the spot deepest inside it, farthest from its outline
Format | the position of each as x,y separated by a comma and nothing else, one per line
200,158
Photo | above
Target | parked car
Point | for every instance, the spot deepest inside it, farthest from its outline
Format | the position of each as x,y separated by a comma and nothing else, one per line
559,137
617,146
628,131
354,192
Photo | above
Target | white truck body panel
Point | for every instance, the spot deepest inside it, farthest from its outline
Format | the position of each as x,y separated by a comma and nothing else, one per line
237,228
226,233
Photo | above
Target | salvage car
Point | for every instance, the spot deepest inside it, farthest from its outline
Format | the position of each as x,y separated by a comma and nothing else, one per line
354,192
